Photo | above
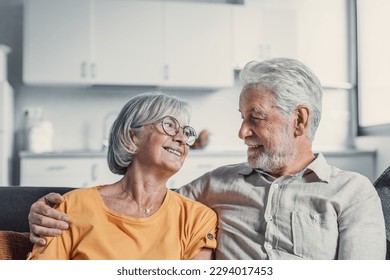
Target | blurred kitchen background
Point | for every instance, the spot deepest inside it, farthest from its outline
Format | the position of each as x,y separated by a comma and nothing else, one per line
68,66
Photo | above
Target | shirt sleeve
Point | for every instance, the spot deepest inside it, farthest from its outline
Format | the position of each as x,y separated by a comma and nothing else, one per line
361,227
197,189
203,232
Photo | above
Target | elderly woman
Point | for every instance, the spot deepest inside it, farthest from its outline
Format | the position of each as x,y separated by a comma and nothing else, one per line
138,217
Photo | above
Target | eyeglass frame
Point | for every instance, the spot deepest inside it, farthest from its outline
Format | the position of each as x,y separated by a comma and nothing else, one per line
176,130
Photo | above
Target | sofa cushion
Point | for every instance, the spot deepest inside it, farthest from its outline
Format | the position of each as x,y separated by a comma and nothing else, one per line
15,203
382,185
14,245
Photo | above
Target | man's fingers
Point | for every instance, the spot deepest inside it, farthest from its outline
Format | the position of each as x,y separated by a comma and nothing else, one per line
36,231
44,231
46,221
49,218
35,239
52,199
44,215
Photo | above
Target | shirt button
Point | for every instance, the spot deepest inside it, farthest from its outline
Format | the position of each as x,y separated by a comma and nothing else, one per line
276,186
270,218
268,246
210,236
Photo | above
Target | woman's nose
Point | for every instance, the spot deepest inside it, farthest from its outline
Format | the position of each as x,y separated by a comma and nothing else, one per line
180,137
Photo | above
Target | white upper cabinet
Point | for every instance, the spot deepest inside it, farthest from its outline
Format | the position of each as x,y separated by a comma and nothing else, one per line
315,32
198,44
127,45
132,42
57,41
248,33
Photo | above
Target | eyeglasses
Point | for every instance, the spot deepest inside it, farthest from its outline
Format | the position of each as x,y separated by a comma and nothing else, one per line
171,127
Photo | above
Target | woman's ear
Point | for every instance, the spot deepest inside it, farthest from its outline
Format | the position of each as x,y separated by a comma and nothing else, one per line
302,120
132,135
133,140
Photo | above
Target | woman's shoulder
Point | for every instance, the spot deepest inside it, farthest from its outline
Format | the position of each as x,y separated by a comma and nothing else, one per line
188,204
80,195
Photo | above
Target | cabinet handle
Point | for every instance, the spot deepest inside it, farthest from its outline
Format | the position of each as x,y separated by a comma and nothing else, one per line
166,72
93,69
83,69
56,167
93,172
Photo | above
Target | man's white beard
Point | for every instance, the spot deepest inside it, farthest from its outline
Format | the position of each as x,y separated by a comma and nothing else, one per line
274,160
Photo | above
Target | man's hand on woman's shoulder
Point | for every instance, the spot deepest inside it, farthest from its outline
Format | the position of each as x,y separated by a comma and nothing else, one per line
44,220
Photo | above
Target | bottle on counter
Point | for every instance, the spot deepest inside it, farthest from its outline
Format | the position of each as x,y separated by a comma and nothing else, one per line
39,132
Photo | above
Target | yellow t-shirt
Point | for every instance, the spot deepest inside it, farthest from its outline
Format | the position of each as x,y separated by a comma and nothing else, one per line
178,230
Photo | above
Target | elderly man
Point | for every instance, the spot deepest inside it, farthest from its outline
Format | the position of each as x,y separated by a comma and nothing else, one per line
286,202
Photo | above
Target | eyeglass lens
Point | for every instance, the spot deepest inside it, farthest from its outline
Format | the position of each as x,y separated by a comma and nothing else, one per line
172,127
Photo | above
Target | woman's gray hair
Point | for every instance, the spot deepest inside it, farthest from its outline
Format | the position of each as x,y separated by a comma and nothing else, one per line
292,84
144,108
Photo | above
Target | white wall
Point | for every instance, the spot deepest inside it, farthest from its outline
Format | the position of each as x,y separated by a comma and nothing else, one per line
78,114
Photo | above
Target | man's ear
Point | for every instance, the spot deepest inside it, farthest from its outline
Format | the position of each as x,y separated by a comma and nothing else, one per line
301,120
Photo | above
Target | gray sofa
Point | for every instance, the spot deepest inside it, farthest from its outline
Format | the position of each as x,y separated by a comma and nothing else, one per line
15,203
382,185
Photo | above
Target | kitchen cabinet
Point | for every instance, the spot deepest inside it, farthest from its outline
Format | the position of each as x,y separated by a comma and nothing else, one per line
127,44
65,170
201,162
116,42
57,42
314,32
85,169
248,33
198,44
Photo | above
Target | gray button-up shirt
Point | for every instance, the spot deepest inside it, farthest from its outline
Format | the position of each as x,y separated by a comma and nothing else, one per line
320,213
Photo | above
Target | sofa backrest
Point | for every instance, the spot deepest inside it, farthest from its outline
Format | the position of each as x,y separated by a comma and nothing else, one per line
15,203
382,185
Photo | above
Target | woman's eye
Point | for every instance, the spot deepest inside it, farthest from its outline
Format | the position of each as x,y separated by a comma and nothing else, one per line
169,125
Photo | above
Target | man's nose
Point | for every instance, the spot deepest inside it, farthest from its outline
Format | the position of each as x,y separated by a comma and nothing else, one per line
245,130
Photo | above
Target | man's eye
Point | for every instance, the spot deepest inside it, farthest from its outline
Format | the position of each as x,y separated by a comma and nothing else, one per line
257,119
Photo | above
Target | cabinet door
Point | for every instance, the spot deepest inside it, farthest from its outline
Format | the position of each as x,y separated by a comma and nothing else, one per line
280,32
198,43
56,172
77,172
248,35
56,41
197,165
101,174
128,42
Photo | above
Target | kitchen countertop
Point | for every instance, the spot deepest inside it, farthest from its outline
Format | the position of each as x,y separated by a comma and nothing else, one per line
222,151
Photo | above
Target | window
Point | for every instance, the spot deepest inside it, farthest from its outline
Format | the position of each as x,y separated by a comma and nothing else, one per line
373,66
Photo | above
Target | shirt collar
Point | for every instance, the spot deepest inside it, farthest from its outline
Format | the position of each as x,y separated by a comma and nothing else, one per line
320,167
246,170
